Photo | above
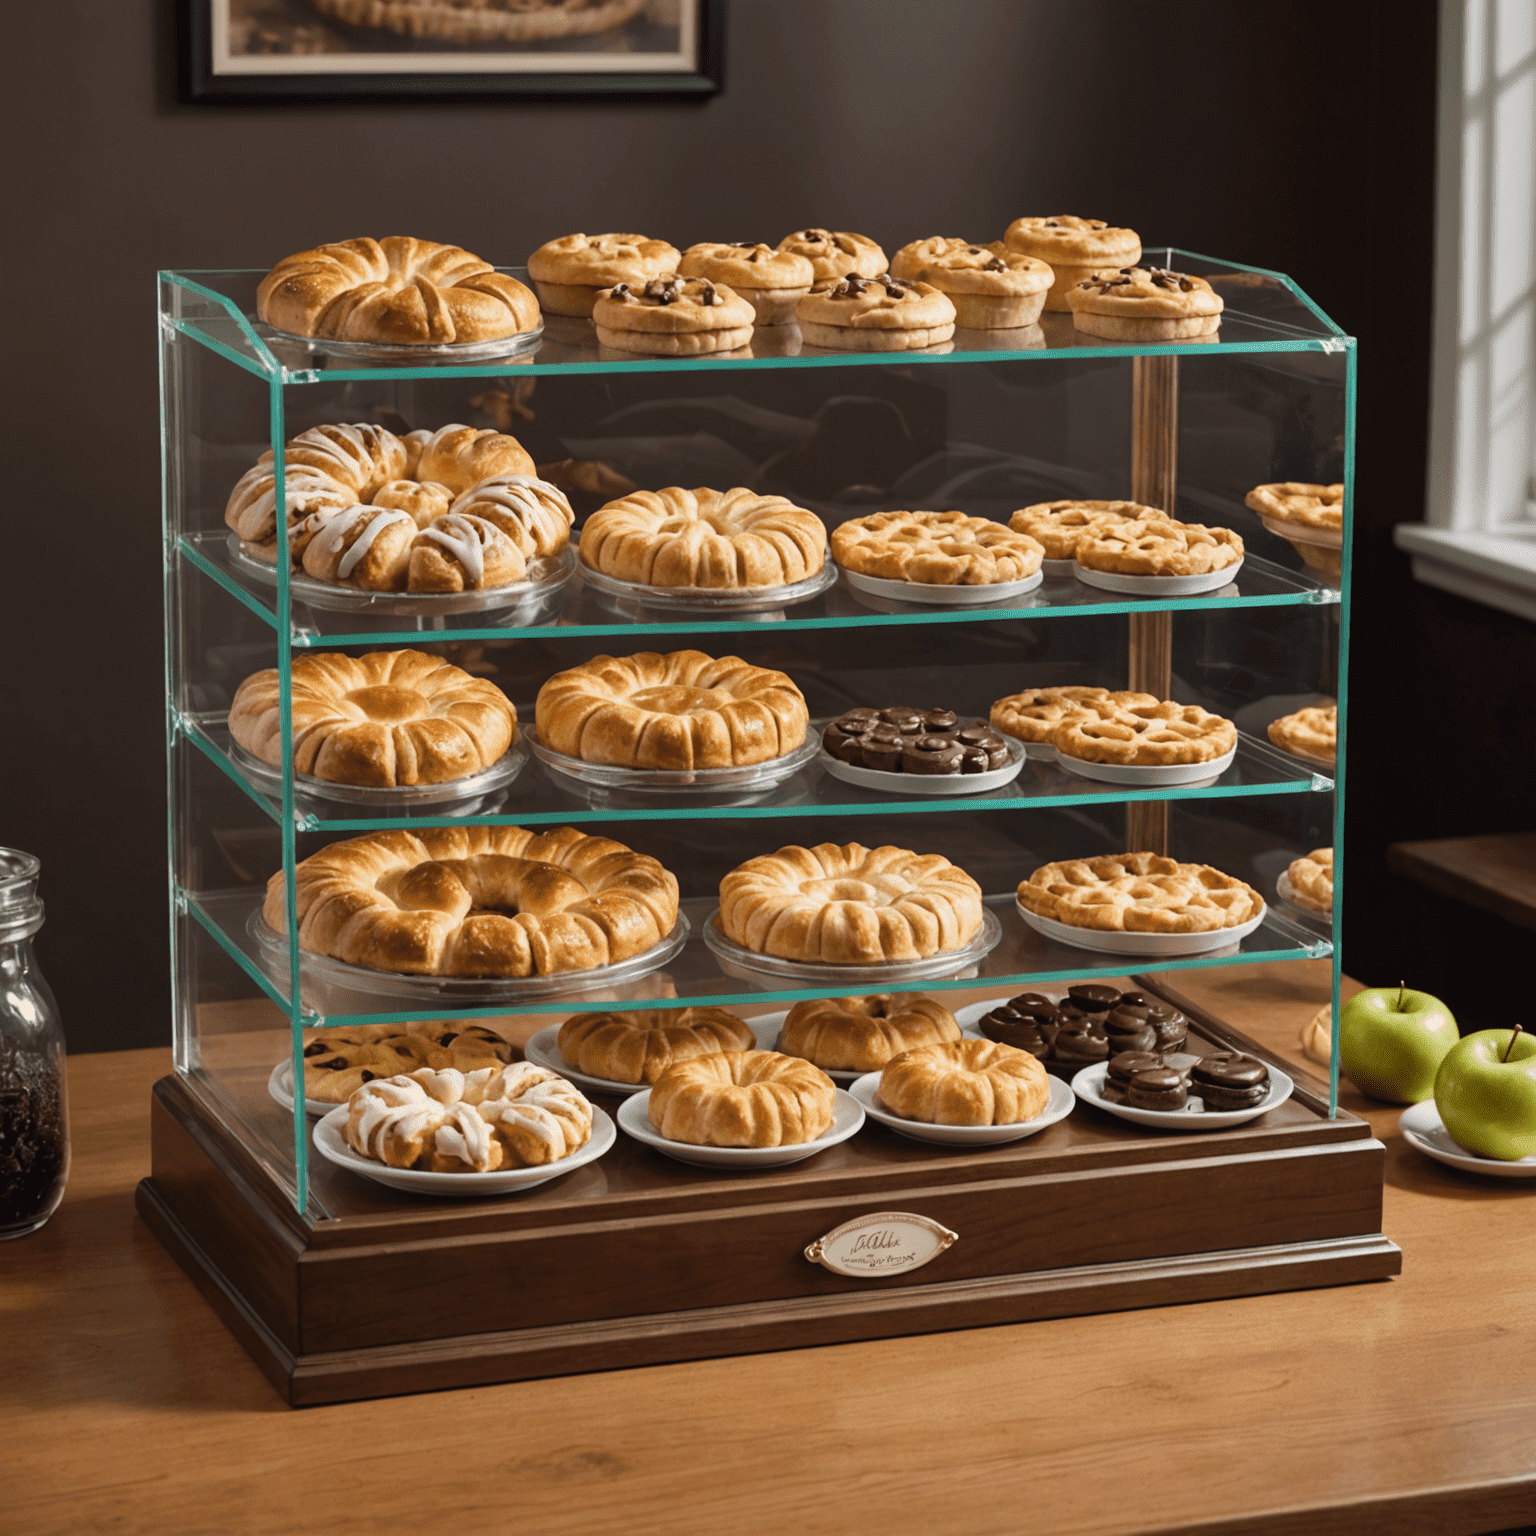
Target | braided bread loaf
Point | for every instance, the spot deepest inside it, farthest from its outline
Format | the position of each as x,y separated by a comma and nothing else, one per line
861,1034
966,1082
638,1045
743,1099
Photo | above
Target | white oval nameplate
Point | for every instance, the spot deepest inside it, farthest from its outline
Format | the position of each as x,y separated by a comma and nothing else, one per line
884,1243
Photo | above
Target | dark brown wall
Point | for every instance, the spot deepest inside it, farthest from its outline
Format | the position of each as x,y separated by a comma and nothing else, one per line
1303,143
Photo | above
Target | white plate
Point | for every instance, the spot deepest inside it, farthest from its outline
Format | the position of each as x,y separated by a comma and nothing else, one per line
1112,942
330,1141
925,783
403,354
674,780
1158,586
714,602
748,965
939,596
634,1116
280,1086
1088,1085
1058,1107
543,1050
1300,533
1151,775
1287,893
1041,752
1423,1128
1058,570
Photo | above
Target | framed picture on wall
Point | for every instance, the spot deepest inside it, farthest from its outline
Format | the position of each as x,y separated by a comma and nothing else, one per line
330,50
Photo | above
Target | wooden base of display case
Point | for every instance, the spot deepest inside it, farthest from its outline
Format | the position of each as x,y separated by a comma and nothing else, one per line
636,1259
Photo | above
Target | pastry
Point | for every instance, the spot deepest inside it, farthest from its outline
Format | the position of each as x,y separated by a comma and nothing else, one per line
398,291
1058,525
880,314
477,901
1074,248
935,548
1078,1043
1317,1035
378,550
1123,1067
965,1082
672,317
771,281
517,1116
569,273
715,539
1146,735
1144,304
1311,733
1230,1080
1139,893
1094,997
339,1061
1311,880
383,719
1126,1030
637,1046
849,905
991,287
531,512
1029,1022
1159,547
743,1099
1311,519
1035,715
905,740
460,457
678,711
1159,1088
910,260
1169,1026
861,1034
836,253
489,21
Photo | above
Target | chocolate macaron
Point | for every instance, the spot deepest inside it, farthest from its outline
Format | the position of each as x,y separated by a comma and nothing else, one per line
1230,1080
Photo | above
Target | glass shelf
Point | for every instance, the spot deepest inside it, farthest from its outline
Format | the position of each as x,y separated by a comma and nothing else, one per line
536,798
1265,312
1023,959
584,611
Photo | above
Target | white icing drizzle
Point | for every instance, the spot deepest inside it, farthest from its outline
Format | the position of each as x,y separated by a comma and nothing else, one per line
519,494
333,535
464,538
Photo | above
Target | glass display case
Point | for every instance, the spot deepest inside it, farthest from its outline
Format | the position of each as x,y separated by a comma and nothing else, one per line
987,424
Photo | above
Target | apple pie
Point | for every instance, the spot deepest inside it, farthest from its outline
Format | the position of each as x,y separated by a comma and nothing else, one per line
1139,893
1143,736
1309,517
1035,715
1311,880
1058,525
1311,733
1159,547
935,548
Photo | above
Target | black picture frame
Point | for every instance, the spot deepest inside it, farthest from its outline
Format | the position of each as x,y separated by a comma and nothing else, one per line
201,84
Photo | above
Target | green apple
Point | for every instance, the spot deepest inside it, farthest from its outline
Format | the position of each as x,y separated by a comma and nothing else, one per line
1392,1041
1485,1091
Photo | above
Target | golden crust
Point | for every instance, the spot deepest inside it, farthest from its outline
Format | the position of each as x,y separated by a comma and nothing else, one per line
1159,548
731,342
638,1045
1311,880
935,548
478,901
1292,501
600,261
682,710
850,338
387,718
882,303
1144,293
1036,714
672,306
992,270
966,1082
747,264
1317,1035
1311,733
704,538
1066,240
337,1062
850,905
1147,735
861,1034
836,253
743,1099
1058,525
912,258
1139,893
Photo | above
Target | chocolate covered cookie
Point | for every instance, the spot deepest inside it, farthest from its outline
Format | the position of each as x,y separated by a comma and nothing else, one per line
906,740
1230,1080
1159,1088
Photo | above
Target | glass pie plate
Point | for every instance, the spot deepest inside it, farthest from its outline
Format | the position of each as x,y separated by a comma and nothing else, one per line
711,602
1423,1128
936,596
754,776
1113,941
458,795
329,1135
333,987
916,784
543,1050
1088,1085
1158,586
405,353
548,574
634,1117
772,970
1060,1104
1149,775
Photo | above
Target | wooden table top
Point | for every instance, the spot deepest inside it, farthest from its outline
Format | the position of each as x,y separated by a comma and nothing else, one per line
1404,1406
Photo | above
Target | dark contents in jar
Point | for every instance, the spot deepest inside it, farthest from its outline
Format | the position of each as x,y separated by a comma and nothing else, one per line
33,1142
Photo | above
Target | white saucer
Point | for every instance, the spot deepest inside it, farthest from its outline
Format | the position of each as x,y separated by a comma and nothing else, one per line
543,1050
1150,775
1287,893
280,1086
331,1143
939,596
1423,1128
1300,533
1058,1107
1058,570
1158,586
1113,942
1089,1083
634,1116
924,783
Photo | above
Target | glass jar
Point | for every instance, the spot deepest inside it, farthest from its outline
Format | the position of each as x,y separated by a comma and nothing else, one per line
34,1127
